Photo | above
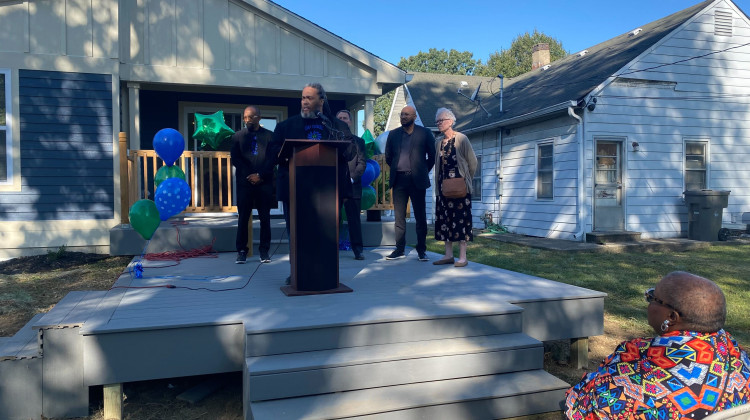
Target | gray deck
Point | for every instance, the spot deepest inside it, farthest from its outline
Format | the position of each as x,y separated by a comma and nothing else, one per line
223,317
383,291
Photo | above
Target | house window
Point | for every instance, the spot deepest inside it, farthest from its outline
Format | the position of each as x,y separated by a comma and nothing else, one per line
476,182
6,155
544,174
695,165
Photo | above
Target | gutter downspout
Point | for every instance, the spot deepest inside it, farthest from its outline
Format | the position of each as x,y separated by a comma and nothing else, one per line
580,199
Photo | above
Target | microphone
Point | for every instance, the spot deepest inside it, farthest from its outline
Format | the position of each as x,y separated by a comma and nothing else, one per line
323,117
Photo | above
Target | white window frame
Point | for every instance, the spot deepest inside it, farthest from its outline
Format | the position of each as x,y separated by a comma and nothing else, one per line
6,131
706,160
537,155
477,194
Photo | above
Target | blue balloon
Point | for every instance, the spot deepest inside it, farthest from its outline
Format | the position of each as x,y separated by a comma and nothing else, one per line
368,176
172,197
375,166
169,144
372,171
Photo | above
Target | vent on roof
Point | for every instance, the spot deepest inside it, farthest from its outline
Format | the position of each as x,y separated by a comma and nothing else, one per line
723,22
635,32
582,53
546,67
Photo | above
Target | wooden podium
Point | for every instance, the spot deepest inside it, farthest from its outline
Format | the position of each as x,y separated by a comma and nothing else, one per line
313,217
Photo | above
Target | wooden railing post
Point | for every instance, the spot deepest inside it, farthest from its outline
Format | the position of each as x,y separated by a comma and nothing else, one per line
124,181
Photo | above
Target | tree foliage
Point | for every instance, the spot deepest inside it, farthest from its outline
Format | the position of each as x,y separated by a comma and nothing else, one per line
517,59
440,61
381,110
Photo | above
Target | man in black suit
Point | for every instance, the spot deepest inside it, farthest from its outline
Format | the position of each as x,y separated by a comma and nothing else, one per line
254,181
311,123
353,206
410,153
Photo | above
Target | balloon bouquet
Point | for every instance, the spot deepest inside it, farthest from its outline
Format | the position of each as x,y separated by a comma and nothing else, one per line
172,191
371,173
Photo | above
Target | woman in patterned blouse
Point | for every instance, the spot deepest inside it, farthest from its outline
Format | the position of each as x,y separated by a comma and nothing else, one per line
692,369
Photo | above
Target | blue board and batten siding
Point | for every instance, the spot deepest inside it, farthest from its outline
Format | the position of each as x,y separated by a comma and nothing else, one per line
67,148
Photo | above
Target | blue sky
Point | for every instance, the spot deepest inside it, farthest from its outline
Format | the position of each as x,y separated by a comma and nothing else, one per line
392,29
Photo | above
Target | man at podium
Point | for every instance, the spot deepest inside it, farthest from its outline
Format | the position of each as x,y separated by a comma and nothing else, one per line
312,123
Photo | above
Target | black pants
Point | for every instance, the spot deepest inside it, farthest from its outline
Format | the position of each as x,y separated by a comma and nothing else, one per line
246,199
403,190
352,208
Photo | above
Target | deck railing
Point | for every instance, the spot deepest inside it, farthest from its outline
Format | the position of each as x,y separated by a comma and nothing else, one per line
210,177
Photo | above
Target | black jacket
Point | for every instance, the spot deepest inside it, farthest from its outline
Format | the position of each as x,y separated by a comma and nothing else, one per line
421,155
296,127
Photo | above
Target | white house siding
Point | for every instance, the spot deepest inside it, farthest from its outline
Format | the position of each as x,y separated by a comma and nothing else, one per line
521,211
249,44
486,145
699,99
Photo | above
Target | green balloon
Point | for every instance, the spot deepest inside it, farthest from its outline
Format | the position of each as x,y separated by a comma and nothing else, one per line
368,197
144,217
165,172
211,130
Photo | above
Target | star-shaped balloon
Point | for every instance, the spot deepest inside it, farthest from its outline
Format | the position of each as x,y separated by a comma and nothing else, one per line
211,129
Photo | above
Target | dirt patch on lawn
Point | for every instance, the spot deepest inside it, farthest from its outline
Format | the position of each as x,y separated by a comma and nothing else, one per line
31,285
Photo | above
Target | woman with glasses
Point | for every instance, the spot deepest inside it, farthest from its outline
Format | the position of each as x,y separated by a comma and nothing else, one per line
454,158
691,369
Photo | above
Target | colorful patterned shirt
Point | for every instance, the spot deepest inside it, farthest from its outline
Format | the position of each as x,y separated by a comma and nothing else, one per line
677,375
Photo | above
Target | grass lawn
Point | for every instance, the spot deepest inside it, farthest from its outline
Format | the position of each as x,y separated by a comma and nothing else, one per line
625,276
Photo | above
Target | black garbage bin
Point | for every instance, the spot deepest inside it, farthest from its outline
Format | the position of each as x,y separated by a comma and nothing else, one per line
705,209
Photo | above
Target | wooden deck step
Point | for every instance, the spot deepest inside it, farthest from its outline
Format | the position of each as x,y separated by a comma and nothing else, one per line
481,397
336,336
72,310
318,372
23,344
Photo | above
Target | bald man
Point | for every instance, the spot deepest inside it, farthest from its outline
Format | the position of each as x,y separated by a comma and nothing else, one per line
410,153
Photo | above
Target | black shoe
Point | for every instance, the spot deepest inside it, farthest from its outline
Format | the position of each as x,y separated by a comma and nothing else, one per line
395,255
264,258
423,257
359,256
288,281
241,257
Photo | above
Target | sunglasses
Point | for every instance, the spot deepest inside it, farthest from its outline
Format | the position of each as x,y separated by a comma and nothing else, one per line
649,295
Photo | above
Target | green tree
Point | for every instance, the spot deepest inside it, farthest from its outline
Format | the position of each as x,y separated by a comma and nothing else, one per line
440,61
517,59
381,110
433,61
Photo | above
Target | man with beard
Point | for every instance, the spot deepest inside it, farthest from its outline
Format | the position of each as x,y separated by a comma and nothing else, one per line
410,153
313,124
254,181
352,206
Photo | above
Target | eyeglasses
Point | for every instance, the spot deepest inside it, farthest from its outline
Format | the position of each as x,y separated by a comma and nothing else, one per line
441,120
403,114
649,295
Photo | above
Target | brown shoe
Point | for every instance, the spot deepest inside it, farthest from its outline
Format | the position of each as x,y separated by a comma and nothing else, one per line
461,264
443,261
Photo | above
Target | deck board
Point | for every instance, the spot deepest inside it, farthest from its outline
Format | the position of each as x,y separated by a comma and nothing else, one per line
383,291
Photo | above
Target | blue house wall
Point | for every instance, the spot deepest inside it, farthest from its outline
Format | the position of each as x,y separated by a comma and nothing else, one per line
66,148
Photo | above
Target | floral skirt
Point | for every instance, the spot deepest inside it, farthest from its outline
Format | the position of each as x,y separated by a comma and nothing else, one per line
453,219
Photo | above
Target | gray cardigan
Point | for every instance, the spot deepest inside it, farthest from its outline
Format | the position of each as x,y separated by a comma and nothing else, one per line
467,160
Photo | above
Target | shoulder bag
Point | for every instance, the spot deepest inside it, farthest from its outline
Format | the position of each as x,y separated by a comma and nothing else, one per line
452,187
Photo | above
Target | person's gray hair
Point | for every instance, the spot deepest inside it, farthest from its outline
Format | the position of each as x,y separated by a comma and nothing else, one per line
317,86
447,112
700,302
